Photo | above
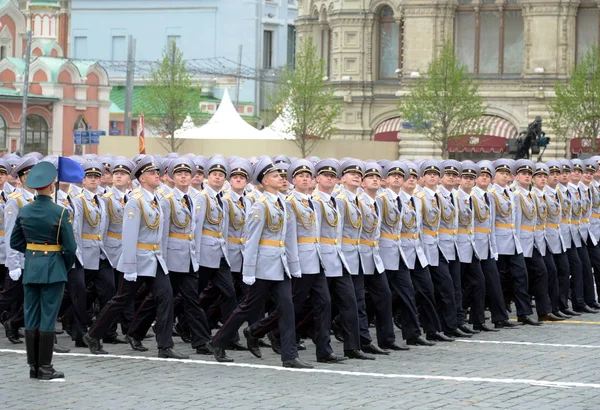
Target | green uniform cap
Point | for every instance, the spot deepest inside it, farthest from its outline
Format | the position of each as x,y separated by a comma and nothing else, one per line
41,175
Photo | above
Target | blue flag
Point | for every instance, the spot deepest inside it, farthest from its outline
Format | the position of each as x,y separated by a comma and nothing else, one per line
69,171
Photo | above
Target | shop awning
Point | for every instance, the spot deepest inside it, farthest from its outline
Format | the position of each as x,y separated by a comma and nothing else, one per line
584,145
388,130
497,133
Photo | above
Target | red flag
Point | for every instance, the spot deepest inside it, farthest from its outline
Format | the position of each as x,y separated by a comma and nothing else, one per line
142,139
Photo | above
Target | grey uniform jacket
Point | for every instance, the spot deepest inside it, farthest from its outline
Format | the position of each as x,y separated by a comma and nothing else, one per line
430,220
264,251
64,200
541,207
142,236
236,207
351,221
465,241
483,222
448,229
507,240
92,218
390,240
3,199
330,232
564,197
178,228
302,235
211,229
114,202
585,228
16,200
595,217
576,211
412,227
525,220
554,236
369,235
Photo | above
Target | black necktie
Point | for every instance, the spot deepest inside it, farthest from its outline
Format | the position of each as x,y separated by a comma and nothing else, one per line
155,202
241,202
3,196
96,201
279,204
332,202
220,201
187,202
311,204
376,208
412,202
125,199
399,203
70,202
487,200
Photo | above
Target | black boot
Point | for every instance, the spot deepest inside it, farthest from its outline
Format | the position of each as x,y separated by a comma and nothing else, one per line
32,341
58,348
45,370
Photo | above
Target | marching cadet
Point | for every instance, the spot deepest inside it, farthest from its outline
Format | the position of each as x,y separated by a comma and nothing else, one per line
303,254
555,239
511,263
540,176
198,179
374,279
178,227
285,188
212,223
4,170
391,252
583,281
473,281
485,243
92,218
594,219
106,179
447,233
590,241
141,262
333,261
431,209
42,232
265,269
351,220
526,219
12,296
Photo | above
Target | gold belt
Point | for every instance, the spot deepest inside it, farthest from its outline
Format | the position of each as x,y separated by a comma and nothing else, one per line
368,243
184,236
595,215
390,236
1,233
565,221
505,226
308,240
270,242
483,230
148,246
552,226
540,227
447,231
350,241
527,228
465,231
114,235
430,232
212,233
43,247
239,241
585,220
407,235
91,236
575,221
328,241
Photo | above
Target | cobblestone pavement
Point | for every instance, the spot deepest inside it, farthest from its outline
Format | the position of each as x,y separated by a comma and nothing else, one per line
553,366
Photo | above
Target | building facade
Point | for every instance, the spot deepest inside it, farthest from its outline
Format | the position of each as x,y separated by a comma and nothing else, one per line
517,50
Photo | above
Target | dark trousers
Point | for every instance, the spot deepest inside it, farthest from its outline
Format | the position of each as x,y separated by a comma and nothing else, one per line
513,272
314,286
561,261
594,254
11,298
576,277
281,291
425,298
473,284
341,289
186,285
241,290
400,283
444,294
552,280
538,282
379,290
221,279
587,278
493,290
42,302
455,271
76,290
159,305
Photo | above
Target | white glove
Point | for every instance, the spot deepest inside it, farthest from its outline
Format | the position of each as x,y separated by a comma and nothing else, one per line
297,274
130,277
249,280
496,256
15,274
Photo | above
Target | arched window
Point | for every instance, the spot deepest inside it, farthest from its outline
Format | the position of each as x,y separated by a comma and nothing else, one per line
489,36
2,52
390,41
36,134
588,27
3,132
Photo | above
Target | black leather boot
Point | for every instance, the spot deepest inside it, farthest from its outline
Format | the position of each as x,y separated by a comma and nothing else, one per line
32,341
46,350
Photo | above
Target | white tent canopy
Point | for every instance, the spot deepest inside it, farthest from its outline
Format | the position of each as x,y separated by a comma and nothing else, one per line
280,127
226,123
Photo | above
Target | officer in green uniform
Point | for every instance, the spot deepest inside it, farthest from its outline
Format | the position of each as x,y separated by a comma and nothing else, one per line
44,234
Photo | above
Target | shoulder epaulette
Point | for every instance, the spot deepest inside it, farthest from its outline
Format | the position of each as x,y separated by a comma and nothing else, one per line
492,190
15,195
341,196
79,196
169,195
137,195
251,195
289,197
421,195
262,199
227,197
108,194
160,190
382,195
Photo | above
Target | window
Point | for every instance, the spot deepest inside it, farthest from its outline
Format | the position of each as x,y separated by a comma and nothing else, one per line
326,49
175,38
80,47
390,39
3,131
291,46
588,27
2,52
36,135
489,39
119,48
268,49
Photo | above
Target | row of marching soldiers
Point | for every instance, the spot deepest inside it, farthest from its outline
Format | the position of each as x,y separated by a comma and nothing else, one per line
305,248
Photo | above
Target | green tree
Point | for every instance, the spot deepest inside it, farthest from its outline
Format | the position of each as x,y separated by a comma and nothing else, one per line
305,102
576,110
444,103
170,96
